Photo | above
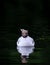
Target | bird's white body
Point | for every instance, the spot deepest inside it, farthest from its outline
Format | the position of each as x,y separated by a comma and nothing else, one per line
28,41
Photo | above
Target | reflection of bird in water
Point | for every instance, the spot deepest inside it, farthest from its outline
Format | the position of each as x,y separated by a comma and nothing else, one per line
25,45
25,51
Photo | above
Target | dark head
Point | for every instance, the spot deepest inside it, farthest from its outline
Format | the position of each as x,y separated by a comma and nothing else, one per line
24,32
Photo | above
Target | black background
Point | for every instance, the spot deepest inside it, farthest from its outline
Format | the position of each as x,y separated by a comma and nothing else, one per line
33,15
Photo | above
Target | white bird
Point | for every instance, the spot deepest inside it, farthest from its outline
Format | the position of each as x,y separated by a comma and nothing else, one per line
25,40
28,41
25,44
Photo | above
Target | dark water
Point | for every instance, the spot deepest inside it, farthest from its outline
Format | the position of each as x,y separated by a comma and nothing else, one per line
12,57
35,57
17,14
